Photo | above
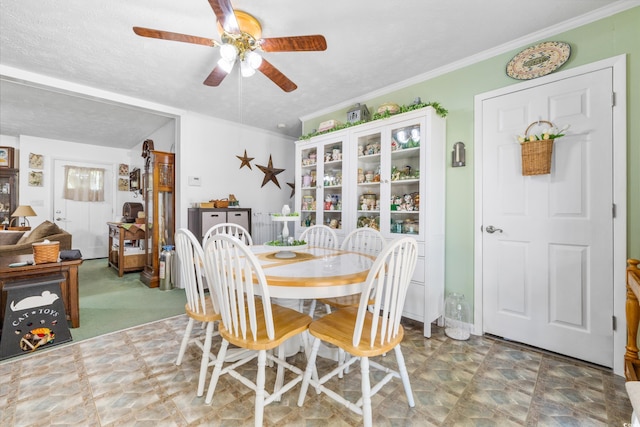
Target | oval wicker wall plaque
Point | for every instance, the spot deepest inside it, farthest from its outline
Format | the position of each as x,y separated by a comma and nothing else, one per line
538,60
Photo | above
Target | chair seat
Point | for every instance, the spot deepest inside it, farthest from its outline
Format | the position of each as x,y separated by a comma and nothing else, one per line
337,328
287,323
209,316
343,302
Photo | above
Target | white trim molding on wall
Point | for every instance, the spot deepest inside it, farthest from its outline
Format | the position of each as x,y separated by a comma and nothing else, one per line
619,66
541,34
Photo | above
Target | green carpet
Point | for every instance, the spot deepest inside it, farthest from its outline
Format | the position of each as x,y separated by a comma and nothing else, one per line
110,303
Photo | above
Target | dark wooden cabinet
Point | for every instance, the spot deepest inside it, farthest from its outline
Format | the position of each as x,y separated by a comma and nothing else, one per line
8,195
159,201
202,219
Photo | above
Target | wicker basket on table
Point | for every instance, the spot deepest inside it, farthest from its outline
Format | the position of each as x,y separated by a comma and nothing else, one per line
536,154
45,252
222,203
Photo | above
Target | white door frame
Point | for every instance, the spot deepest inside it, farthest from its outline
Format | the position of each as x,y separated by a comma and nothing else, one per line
619,66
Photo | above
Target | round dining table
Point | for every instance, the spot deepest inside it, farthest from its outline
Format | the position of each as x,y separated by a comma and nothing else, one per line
314,272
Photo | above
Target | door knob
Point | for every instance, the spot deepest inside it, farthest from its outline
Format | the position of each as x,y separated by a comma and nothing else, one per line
491,229
61,219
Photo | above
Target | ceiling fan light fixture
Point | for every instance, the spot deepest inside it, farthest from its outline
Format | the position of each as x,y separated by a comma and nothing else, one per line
246,69
228,52
254,59
241,34
226,66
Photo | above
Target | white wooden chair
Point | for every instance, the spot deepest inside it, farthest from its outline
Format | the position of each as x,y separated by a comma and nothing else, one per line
250,321
199,306
229,228
364,240
365,334
321,236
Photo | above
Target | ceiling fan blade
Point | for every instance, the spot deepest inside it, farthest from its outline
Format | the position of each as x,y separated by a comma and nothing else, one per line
276,76
216,77
167,35
295,43
226,16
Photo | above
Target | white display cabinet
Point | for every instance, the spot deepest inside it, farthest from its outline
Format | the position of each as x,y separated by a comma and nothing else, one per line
392,179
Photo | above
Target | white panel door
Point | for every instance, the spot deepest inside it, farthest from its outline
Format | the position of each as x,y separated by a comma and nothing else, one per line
86,221
548,269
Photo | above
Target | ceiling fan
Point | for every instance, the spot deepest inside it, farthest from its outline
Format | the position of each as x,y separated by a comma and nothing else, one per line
240,39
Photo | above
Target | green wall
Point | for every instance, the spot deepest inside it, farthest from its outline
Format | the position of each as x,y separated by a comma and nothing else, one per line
608,37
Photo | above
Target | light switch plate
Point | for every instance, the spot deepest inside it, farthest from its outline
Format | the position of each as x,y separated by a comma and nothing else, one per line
194,181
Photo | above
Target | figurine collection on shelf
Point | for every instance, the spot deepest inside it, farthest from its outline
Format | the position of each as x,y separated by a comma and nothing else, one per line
331,180
311,160
332,202
406,202
333,156
408,172
368,150
369,221
365,177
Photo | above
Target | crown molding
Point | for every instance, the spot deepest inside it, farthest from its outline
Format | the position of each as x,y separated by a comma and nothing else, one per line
587,18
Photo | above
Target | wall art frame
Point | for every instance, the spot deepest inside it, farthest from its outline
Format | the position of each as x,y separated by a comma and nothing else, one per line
36,179
6,157
123,184
36,161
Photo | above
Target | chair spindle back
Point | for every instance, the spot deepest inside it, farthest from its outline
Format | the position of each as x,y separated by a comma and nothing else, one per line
235,270
387,285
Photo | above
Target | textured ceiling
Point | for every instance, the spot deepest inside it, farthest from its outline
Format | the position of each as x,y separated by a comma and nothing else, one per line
371,45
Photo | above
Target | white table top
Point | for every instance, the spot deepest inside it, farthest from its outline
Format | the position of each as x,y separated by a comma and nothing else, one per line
314,273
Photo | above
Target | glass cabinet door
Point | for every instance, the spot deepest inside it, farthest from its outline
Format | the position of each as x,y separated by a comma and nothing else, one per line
387,177
404,179
321,190
368,177
308,185
160,212
332,196
149,215
8,195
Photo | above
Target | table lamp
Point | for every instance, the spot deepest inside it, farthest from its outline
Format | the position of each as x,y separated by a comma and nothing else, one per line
22,211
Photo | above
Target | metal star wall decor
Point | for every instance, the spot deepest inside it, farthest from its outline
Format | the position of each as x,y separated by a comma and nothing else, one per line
270,173
293,188
246,161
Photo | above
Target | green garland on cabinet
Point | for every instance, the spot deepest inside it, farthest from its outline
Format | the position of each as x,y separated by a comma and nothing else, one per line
440,110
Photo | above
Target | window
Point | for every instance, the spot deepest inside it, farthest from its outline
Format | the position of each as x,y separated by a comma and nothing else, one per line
83,184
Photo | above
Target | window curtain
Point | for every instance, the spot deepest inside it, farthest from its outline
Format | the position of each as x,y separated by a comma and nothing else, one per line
83,184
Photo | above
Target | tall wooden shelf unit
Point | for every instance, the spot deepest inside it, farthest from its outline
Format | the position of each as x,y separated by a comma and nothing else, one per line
159,201
390,176
8,195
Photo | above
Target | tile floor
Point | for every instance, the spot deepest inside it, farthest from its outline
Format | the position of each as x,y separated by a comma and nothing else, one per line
129,378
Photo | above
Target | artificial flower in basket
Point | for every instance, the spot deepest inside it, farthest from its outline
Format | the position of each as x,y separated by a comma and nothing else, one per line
537,148
550,133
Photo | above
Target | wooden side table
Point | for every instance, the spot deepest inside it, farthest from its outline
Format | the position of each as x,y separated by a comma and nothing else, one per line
118,258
